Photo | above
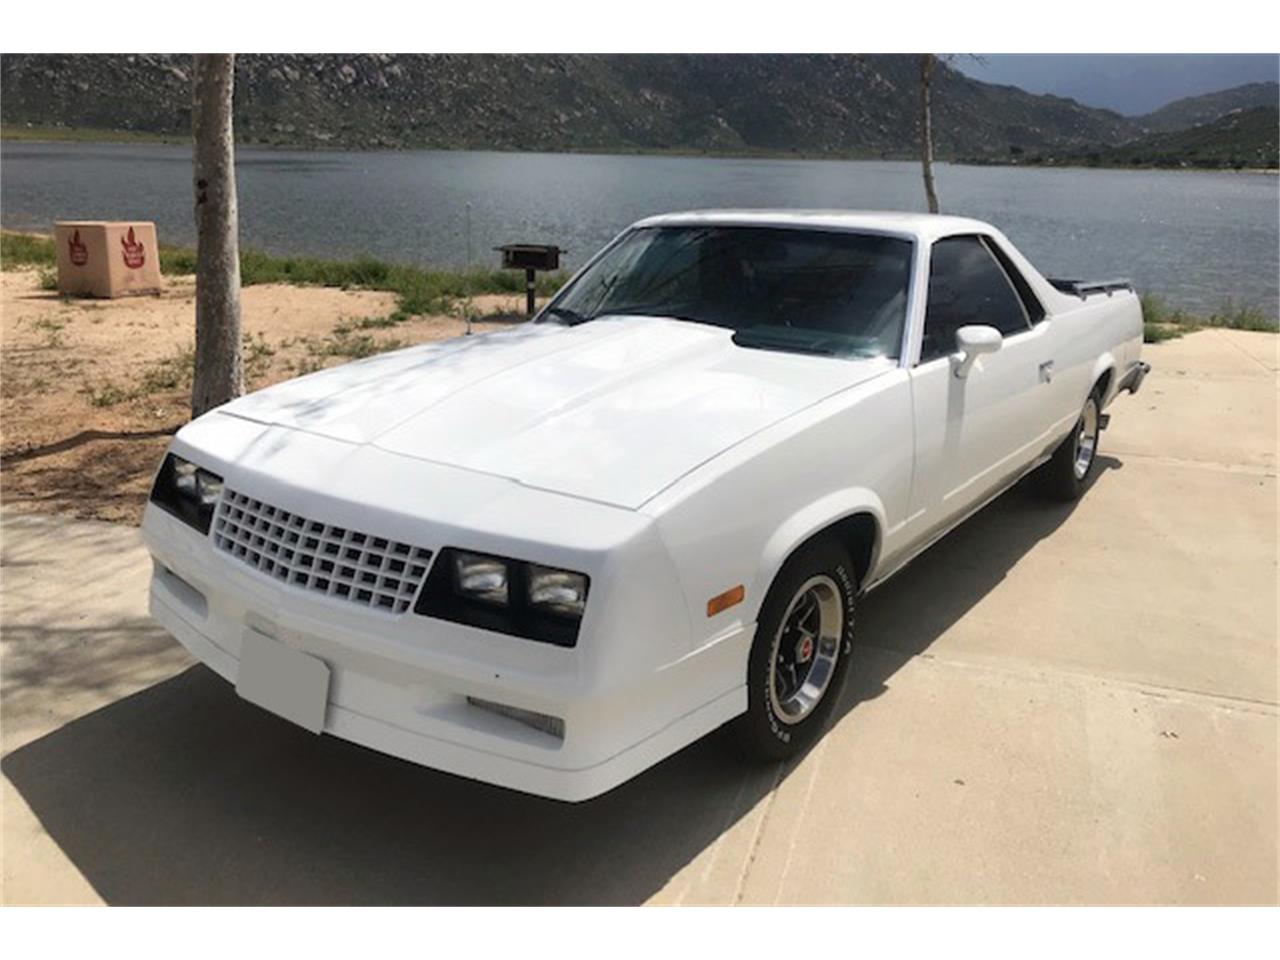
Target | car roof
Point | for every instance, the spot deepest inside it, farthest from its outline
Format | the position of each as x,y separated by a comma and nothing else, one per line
922,226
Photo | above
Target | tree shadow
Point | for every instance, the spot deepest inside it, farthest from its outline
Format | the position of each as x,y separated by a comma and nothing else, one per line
83,437
185,794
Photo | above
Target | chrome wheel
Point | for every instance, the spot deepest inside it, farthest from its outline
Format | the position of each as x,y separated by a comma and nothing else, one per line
1086,438
805,649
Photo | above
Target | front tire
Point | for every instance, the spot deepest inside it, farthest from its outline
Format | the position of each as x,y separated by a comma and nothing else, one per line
1066,474
800,656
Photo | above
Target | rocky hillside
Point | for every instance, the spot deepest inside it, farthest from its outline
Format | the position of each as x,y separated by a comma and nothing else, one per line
838,105
1240,139
1194,111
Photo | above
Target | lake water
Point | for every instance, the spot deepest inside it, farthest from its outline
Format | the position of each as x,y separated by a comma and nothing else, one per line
1197,238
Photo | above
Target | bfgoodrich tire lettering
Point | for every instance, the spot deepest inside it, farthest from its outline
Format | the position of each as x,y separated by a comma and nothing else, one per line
800,656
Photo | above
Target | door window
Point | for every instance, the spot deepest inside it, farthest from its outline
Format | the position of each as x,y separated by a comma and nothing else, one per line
967,286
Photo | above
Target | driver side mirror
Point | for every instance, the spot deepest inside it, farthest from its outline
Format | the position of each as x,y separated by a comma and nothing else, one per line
973,341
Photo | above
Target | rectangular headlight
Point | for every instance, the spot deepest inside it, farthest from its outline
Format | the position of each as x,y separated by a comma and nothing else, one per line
196,484
505,595
560,592
187,491
480,577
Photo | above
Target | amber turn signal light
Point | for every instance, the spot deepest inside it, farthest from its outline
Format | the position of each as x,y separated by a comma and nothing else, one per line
724,601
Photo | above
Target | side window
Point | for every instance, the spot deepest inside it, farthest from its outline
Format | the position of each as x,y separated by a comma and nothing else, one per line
967,286
1035,310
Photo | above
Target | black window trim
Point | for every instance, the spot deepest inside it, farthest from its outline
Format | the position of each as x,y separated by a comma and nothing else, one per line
983,239
986,242
1010,269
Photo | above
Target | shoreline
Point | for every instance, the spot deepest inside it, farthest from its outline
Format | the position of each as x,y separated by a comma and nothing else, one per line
87,135
433,288
116,138
1134,167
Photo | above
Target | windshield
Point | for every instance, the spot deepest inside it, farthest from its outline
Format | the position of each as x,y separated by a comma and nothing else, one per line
810,291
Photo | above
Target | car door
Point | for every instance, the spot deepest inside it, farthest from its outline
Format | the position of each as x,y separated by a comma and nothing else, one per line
1066,359
973,434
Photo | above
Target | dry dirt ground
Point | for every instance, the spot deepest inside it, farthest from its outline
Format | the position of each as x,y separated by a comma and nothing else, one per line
91,390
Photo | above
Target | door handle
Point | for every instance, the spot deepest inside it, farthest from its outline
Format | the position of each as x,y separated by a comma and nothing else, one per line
1046,371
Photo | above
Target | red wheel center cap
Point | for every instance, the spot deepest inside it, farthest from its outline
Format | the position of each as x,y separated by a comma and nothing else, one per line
804,650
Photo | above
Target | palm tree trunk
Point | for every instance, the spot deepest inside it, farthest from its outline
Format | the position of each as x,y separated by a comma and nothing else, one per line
926,130
219,374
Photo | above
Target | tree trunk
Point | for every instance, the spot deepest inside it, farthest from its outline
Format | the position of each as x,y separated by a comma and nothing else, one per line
219,375
926,130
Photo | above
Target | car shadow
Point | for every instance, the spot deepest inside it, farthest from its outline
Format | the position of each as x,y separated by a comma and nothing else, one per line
185,794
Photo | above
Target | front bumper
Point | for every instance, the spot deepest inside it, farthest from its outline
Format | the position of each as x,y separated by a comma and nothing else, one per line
400,683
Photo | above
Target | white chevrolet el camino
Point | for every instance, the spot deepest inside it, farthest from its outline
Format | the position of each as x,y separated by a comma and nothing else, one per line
549,557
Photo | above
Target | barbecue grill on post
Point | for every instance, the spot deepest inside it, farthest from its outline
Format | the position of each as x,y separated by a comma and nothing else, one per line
530,257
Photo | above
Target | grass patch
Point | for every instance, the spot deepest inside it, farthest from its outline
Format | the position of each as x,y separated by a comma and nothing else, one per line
256,354
177,261
52,329
1159,332
30,133
1160,322
1234,316
350,346
171,373
1155,310
106,394
420,290
176,372
374,323
23,249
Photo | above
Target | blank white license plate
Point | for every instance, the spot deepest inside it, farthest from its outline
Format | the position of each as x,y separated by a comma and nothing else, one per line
283,680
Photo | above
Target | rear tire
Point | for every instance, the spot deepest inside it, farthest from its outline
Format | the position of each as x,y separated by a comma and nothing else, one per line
800,656
1066,474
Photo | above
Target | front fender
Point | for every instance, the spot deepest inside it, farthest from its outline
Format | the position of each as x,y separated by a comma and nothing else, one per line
812,519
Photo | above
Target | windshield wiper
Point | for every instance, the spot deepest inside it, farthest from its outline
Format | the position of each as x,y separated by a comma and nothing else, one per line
570,317
774,338
655,310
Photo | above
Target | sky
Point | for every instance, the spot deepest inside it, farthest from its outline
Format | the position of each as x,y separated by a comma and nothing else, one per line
1129,83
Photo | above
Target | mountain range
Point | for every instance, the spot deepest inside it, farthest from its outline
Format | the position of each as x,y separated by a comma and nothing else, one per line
813,105
1240,138
1208,107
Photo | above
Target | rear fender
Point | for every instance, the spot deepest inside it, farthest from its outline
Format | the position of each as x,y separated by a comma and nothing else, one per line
1104,365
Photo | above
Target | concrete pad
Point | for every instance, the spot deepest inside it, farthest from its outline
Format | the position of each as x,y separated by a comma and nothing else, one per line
1060,791
1263,347
1210,398
1163,573
1211,352
1184,420
76,631
1054,705
76,637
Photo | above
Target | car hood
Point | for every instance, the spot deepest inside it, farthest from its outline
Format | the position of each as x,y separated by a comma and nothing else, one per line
614,410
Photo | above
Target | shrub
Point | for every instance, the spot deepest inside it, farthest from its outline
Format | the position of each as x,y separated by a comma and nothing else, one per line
1163,323
22,249
1241,317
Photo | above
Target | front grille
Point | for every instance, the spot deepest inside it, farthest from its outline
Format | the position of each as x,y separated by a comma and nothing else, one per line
347,564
